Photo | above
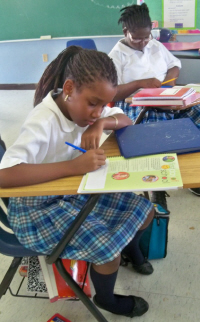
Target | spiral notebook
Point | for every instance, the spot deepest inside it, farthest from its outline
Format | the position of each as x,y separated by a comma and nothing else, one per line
155,172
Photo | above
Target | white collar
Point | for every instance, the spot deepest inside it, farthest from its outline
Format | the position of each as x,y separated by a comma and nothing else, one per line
67,125
130,51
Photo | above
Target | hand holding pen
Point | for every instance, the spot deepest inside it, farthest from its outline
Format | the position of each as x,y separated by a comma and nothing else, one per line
90,161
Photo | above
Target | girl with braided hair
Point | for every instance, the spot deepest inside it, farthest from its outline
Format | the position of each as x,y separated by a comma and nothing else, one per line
70,105
141,62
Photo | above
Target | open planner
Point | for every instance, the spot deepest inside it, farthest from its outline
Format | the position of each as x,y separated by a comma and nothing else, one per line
149,173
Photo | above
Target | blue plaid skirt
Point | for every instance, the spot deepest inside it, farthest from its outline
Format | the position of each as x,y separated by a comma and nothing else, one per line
40,222
151,116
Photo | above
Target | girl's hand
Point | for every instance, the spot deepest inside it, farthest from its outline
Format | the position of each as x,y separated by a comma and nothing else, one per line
89,161
149,83
91,137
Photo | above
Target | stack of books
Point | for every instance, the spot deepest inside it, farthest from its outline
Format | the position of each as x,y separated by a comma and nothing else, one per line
177,96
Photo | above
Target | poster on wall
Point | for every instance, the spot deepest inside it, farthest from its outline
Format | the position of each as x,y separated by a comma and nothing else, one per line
179,14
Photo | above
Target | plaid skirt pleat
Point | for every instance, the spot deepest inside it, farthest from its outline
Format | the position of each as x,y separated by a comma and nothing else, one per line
40,222
151,116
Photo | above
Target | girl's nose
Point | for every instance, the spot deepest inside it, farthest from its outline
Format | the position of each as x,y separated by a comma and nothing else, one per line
97,112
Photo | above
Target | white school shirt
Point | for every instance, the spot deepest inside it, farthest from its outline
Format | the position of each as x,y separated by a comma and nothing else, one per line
43,135
153,61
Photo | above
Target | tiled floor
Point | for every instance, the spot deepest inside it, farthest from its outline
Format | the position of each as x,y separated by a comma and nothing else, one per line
173,290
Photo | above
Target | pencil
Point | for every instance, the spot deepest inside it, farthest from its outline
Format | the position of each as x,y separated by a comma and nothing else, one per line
169,80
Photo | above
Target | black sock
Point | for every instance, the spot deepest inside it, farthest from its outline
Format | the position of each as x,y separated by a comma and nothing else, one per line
133,249
104,287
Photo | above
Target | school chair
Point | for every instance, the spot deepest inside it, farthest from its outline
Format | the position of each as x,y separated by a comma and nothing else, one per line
10,246
85,43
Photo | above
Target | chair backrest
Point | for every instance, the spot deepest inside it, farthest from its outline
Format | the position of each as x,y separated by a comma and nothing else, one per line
85,43
2,148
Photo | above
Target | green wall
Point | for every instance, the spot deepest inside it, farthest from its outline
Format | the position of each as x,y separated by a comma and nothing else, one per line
24,19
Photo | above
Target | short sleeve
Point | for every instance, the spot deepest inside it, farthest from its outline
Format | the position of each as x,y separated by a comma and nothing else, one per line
118,61
32,144
170,59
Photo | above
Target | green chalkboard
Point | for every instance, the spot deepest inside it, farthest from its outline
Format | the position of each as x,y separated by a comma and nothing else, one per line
27,19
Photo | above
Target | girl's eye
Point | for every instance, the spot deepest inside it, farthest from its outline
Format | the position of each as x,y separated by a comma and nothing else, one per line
92,104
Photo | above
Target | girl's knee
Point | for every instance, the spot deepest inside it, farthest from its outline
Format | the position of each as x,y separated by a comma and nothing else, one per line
149,219
108,268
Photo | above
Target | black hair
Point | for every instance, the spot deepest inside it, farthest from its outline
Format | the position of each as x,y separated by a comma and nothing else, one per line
135,16
83,66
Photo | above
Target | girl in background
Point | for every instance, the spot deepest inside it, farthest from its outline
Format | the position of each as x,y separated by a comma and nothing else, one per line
144,62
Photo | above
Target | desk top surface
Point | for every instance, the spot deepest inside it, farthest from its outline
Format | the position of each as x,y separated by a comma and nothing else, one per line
189,166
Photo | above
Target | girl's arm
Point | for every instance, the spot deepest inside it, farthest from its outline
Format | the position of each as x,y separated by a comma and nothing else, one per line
27,174
91,137
125,90
172,73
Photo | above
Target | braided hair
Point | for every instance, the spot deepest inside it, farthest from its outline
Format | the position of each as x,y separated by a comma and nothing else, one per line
83,66
134,17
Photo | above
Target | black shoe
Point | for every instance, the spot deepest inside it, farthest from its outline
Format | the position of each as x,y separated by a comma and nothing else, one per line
195,191
146,268
158,198
140,307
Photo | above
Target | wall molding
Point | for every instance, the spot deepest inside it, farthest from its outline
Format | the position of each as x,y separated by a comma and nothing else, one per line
17,86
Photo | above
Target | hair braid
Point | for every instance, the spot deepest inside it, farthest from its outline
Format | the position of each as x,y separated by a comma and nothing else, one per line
83,66
135,16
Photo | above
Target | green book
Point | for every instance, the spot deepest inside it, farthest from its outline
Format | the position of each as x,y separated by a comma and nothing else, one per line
147,173
196,87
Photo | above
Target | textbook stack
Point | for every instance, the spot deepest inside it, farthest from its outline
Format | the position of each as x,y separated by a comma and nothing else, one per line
177,96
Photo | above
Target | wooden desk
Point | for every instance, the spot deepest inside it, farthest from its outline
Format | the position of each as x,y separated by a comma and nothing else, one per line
189,166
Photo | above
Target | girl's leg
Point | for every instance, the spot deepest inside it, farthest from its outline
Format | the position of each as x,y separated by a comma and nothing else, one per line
104,278
133,253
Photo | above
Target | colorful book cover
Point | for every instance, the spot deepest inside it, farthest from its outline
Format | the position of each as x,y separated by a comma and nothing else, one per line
57,287
78,270
58,318
148,173
23,268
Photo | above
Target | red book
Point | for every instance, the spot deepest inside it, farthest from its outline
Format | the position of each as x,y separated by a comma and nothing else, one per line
58,318
77,270
173,104
172,97
56,286
163,93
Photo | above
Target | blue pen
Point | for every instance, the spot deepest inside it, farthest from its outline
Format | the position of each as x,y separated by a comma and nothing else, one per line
75,147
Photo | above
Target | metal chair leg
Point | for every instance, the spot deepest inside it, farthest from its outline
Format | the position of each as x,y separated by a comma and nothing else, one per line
79,292
146,194
141,115
9,275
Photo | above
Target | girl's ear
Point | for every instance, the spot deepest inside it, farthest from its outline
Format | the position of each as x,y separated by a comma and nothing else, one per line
68,87
125,31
